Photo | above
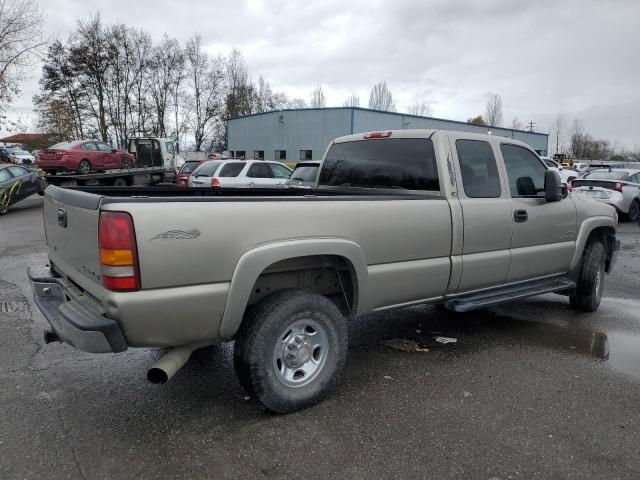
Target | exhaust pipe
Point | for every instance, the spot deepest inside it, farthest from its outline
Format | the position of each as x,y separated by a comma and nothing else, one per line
171,362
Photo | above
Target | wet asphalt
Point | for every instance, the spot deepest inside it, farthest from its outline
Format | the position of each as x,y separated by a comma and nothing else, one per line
529,390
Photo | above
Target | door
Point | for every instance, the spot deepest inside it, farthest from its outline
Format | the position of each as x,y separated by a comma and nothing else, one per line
108,158
486,216
91,153
230,174
260,175
280,173
28,183
544,233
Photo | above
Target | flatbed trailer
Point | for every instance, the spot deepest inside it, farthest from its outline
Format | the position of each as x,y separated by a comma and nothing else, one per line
143,176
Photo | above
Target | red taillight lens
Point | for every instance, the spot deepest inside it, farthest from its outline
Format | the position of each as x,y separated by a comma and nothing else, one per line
215,182
618,187
569,187
118,252
377,135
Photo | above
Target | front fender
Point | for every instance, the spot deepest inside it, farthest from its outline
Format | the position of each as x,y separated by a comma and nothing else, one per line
587,227
255,261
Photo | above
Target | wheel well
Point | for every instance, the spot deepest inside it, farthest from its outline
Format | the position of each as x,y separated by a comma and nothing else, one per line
604,235
330,275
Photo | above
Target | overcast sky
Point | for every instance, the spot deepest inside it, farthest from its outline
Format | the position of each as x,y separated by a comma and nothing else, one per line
580,58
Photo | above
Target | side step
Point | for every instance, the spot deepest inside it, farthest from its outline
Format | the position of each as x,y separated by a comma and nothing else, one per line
508,294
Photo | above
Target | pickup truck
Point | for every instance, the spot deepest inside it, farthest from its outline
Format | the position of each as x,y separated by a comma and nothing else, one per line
398,218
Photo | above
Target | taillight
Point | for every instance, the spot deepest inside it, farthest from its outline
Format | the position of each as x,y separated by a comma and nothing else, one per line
569,187
618,187
215,182
118,252
377,135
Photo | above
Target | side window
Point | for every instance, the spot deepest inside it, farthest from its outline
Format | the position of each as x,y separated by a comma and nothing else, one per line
636,178
103,147
280,155
524,169
4,174
279,171
258,154
260,170
169,147
89,146
18,171
306,155
480,177
231,169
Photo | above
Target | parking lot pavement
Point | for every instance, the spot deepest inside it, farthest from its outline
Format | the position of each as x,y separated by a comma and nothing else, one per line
529,390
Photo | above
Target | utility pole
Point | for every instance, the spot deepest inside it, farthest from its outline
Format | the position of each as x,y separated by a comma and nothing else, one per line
531,124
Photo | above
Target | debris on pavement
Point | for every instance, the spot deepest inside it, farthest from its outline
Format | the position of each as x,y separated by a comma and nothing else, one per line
446,340
405,345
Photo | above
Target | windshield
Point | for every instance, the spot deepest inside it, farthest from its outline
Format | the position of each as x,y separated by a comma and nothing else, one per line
606,175
407,163
189,167
306,173
207,169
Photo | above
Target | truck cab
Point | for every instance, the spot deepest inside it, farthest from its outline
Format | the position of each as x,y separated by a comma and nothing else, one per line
154,152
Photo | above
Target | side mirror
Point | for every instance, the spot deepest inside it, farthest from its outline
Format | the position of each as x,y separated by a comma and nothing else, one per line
113,150
552,186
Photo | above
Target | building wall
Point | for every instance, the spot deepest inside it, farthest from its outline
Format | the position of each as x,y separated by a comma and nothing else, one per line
313,129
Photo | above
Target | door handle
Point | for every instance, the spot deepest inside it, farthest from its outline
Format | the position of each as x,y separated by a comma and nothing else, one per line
520,216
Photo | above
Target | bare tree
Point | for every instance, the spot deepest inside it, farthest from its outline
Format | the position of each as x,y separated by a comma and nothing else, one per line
205,77
381,98
352,100
493,110
297,103
420,107
516,124
557,130
317,98
240,98
21,42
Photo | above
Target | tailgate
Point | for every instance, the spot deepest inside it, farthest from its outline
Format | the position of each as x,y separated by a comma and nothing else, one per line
71,227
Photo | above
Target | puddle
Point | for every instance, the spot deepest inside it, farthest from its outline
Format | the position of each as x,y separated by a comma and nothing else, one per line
624,352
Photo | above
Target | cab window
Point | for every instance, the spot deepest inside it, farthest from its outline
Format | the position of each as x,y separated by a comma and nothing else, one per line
480,178
260,170
525,171
280,171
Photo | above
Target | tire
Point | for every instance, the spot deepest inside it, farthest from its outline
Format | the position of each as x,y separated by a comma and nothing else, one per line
126,163
119,182
4,207
590,279
84,167
291,349
634,211
43,185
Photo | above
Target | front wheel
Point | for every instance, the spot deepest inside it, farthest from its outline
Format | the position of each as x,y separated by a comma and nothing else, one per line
125,164
591,278
291,350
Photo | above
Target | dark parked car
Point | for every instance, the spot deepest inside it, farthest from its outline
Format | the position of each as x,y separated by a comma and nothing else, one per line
182,178
304,175
83,156
17,183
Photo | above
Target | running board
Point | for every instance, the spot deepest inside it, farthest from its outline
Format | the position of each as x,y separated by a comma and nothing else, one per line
508,294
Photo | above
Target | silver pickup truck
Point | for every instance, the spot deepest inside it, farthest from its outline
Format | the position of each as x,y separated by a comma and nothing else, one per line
398,218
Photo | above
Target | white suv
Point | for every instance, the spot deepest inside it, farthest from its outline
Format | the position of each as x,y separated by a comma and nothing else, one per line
240,174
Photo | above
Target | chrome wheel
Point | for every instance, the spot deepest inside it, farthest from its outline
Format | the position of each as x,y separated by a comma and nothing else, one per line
300,353
126,163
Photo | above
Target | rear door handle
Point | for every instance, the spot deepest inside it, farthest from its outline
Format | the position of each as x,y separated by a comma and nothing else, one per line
520,216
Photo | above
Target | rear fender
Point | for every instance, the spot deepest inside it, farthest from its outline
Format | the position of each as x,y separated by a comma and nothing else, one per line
255,261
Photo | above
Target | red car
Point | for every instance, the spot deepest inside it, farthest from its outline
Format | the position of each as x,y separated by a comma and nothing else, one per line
83,156
182,178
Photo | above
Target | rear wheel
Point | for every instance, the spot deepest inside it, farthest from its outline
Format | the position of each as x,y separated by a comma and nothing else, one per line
126,163
591,278
634,211
120,182
291,350
84,167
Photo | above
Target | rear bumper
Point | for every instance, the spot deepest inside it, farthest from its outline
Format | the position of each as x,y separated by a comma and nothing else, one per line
75,317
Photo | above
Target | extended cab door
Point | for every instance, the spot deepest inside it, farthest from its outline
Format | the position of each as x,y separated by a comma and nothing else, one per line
544,233
486,215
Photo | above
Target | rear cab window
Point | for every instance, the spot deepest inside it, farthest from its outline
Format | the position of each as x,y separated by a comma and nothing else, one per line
398,163
480,178
305,173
